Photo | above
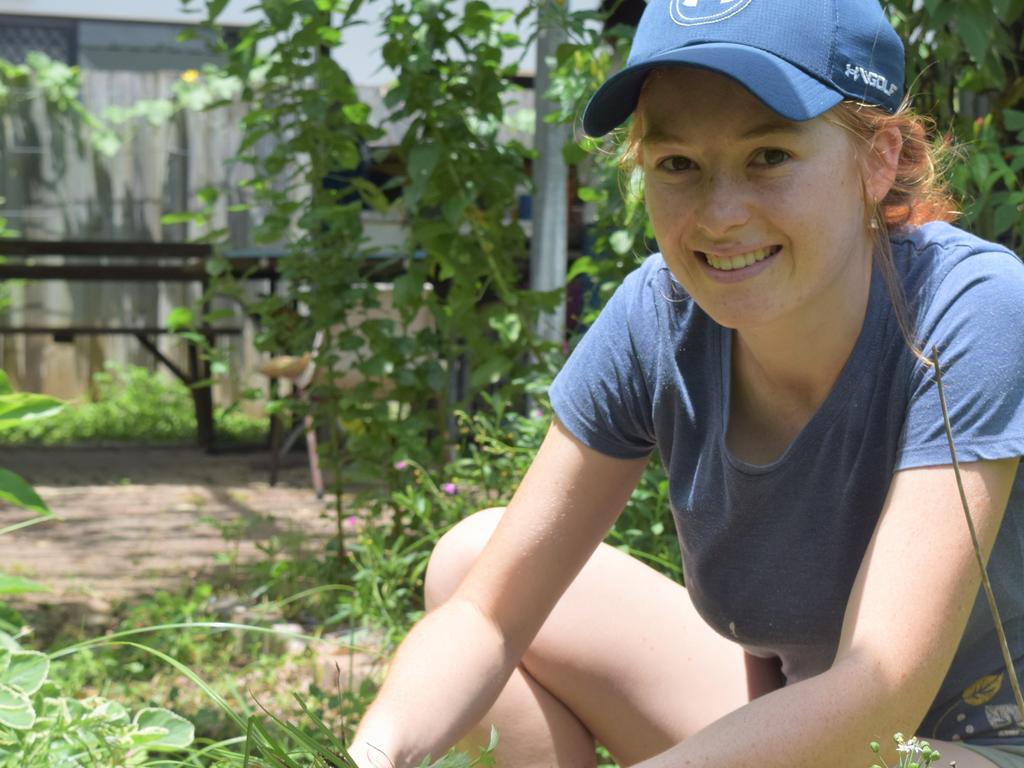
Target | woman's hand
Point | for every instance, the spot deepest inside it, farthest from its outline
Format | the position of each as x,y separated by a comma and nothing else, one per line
454,663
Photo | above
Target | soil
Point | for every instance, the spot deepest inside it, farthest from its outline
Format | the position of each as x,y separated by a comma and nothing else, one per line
133,520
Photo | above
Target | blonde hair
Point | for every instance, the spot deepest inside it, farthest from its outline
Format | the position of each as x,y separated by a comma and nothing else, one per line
919,193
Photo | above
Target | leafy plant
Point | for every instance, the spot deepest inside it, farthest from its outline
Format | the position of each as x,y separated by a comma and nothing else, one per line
964,67
130,403
42,728
17,408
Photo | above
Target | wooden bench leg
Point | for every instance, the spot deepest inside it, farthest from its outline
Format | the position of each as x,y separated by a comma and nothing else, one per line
275,447
202,396
314,458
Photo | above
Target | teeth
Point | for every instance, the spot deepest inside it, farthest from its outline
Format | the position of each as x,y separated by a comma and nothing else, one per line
738,262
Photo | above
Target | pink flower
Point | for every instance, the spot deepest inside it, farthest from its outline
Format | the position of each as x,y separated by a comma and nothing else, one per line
351,521
400,465
450,488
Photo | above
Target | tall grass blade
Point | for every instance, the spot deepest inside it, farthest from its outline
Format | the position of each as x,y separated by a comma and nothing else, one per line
989,595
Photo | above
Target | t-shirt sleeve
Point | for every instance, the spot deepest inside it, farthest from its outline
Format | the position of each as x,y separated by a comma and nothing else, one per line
601,394
976,320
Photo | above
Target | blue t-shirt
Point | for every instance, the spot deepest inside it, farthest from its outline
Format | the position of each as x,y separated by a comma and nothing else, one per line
770,552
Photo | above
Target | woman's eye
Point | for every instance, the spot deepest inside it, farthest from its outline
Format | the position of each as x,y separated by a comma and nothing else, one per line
771,157
676,163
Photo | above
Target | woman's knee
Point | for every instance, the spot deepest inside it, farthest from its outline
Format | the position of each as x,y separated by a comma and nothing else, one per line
455,553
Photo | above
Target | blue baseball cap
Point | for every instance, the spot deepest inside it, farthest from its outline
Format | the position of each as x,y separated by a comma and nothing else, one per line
800,57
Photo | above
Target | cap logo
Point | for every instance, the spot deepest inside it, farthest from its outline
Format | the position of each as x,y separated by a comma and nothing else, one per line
871,79
691,13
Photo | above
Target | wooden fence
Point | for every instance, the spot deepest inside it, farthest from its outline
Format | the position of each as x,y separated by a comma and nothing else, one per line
56,187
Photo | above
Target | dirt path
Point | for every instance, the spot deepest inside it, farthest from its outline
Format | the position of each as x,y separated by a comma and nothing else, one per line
134,520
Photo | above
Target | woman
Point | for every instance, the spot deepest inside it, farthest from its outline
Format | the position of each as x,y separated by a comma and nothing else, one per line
831,589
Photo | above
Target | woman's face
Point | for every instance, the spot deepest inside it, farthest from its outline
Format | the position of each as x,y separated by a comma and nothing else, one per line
761,219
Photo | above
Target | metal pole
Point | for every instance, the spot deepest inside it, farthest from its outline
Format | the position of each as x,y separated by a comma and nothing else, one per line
550,242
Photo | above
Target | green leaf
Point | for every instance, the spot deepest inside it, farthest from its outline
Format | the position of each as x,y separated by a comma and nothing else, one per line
453,209
180,317
329,35
5,384
371,194
621,241
1013,119
422,161
356,112
14,490
20,406
975,30
208,195
1005,217
214,8
182,218
16,585
106,143
171,731
27,671
16,710
591,195
407,289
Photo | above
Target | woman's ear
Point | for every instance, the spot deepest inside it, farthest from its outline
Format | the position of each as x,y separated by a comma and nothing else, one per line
883,158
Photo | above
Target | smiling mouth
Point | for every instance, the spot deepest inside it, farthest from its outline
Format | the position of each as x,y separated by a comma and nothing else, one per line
729,263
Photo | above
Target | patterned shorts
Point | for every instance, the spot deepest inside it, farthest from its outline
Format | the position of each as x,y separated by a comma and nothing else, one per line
1010,756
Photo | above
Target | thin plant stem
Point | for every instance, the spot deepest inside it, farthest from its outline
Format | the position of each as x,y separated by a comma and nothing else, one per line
1007,659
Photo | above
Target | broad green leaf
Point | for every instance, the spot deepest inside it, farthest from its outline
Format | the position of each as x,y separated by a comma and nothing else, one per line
5,384
14,490
407,289
15,709
17,406
175,731
17,585
422,161
1014,119
111,712
1005,217
975,30
27,671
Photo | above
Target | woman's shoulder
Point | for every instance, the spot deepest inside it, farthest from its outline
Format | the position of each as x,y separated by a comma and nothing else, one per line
943,243
938,253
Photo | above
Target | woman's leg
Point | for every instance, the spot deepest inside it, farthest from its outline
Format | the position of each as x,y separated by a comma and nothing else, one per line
623,658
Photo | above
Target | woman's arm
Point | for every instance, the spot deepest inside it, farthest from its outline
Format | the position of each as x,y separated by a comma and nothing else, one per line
907,611
454,662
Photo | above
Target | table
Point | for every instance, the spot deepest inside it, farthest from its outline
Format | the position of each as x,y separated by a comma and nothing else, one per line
143,262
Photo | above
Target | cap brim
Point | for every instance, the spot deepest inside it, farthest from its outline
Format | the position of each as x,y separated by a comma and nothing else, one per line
784,88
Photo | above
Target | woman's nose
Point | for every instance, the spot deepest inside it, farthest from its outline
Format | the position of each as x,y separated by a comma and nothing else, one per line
724,205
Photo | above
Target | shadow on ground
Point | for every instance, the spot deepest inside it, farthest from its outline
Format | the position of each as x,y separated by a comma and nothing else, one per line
132,520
